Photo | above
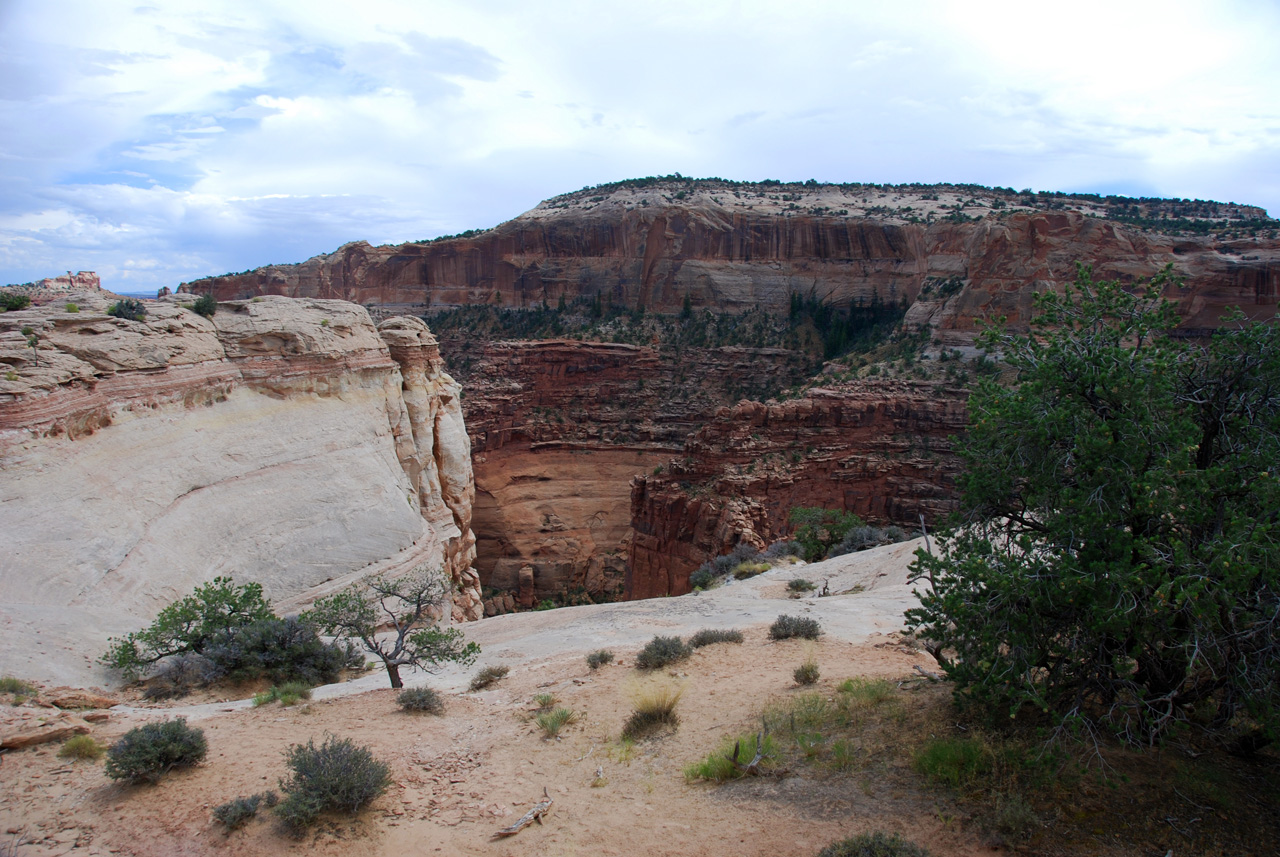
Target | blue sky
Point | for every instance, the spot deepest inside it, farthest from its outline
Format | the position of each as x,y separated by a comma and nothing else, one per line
161,142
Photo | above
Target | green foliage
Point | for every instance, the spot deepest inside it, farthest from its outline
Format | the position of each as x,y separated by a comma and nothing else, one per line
188,625
281,650
599,658
130,309
790,627
19,689
205,305
875,844
1119,565
818,530
72,307
9,302
807,673
81,747
148,752
866,692
709,636
718,766
290,693
553,720
662,651
799,585
237,813
339,775
405,603
953,761
421,699
488,676
746,570
544,700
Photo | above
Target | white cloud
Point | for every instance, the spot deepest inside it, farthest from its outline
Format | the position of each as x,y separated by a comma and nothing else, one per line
192,142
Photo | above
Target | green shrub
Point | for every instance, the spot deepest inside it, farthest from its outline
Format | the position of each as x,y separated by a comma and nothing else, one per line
10,302
16,686
236,813
703,578
553,720
874,844
718,767
953,761
744,570
807,672
205,305
71,307
488,676
817,530
130,309
188,625
789,627
289,693
81,747
544,700
421,699
661,651
338,775
799,585
866,692
280,650
597,659
653,707
709,636
148,752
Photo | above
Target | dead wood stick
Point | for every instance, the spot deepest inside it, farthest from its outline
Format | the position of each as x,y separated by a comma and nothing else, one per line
924,672
538,810
752,768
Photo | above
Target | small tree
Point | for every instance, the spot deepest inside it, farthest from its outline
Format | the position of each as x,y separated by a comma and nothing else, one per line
818,530
405,606
189,625
131,309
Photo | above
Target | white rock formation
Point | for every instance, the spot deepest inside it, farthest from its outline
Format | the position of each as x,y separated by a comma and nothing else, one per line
280,441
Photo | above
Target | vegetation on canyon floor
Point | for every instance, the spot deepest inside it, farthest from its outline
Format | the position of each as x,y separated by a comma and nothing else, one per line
1117,567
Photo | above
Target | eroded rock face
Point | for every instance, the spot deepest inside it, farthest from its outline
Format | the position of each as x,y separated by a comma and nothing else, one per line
879,450
281,441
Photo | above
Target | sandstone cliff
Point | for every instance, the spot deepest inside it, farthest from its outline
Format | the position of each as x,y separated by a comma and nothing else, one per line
879,450
281,441
732,246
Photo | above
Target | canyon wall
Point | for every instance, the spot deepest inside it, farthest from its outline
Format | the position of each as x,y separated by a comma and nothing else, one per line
289,442
880,450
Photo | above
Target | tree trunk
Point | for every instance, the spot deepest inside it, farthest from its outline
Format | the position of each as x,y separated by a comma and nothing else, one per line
393,671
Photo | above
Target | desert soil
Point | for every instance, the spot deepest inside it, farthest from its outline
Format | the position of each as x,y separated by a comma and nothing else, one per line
461,777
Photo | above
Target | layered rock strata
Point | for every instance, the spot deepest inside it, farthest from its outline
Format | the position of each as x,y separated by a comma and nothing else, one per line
880,450
559,428
282,441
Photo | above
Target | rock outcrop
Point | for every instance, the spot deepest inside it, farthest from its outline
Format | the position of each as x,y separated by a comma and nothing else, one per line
283,441
732,246
879,450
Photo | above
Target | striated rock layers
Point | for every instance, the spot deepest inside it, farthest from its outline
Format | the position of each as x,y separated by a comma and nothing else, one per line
730,247
284,441
879,450
559,428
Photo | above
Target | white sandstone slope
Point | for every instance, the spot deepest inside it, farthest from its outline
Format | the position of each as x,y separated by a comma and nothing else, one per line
281,441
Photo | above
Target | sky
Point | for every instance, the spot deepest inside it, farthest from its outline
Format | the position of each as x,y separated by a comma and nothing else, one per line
163,142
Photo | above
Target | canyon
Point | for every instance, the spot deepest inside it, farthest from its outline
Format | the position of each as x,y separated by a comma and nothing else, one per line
290,442
613,462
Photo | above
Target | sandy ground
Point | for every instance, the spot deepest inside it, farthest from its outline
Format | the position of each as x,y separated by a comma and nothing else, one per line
461,777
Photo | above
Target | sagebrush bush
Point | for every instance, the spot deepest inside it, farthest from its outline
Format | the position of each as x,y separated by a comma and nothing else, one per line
338,775
148,752
782,550
653,707
661,651
703,578
129,308
874,844
708,636
205,305
421,699
807,672
236,813
81,747
488,676
789,627
280,650
597,659
799,585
